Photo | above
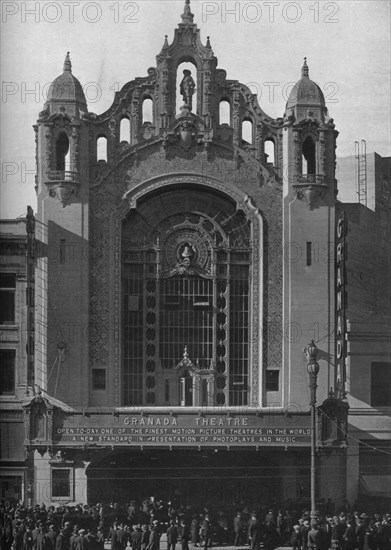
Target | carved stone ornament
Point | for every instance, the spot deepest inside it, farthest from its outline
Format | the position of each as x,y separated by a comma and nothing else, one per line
187,253
186,134
63,191
310,193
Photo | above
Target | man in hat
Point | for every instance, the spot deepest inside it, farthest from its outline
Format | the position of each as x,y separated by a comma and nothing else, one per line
238,526
254,532
73,538
42,542
313,536
206,532
62,542
172,535
52,535
81,541
305,528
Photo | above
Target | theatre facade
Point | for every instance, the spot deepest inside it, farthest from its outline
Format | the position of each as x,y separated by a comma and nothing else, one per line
184,260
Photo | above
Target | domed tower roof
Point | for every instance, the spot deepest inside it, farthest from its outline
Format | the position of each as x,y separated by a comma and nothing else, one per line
66,89
306,97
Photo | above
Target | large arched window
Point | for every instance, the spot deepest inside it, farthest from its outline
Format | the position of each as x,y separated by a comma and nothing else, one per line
186,284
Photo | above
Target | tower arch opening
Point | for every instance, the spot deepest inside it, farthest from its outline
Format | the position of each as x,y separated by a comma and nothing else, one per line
308,156
62,152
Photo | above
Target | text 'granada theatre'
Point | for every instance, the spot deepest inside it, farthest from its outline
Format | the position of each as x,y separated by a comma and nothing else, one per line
177,285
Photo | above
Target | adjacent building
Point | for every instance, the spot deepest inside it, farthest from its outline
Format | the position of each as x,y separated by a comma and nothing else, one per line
364,233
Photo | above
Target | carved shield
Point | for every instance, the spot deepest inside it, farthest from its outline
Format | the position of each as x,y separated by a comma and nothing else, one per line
186,136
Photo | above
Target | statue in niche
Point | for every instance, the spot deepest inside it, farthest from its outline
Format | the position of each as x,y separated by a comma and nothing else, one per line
38,424
187,88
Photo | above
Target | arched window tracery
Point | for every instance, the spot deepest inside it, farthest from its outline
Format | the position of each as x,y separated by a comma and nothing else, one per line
187,282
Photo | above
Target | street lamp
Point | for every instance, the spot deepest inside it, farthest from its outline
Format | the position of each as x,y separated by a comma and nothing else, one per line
311,352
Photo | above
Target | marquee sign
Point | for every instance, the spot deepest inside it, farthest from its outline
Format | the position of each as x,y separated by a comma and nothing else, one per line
161,430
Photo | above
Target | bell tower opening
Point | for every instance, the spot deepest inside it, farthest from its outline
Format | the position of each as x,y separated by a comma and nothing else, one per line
308,158
62,152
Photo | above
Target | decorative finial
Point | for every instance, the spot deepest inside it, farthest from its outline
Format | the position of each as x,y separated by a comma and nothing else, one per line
187,16
165,45
185,354
208,43
67,64
304,69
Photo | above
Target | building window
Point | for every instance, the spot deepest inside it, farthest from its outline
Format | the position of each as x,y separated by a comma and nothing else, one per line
61,483
7,298
309,253
101,148
272,380
247,131
11,488
188,286
147,110
381,385
124,130
98,379
7,372
225,112
270,152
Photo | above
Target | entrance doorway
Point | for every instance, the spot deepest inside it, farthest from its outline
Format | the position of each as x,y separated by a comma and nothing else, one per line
217,479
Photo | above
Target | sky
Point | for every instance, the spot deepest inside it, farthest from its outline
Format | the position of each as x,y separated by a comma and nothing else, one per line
260,43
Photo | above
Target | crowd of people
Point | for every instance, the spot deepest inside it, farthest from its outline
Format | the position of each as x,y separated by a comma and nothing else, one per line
153,523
